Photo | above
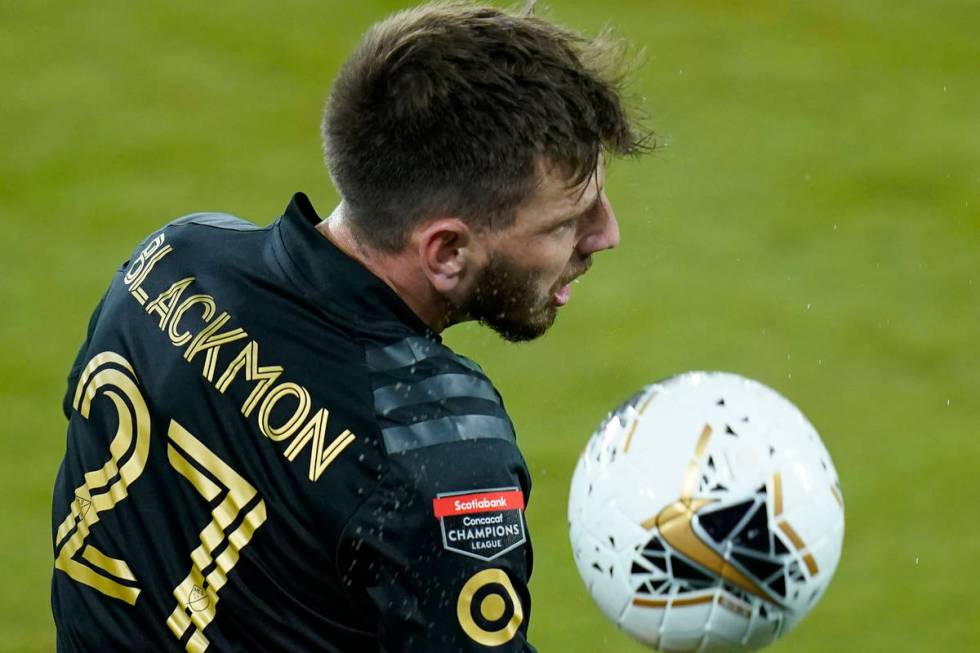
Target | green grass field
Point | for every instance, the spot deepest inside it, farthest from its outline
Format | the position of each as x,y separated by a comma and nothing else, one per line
813,222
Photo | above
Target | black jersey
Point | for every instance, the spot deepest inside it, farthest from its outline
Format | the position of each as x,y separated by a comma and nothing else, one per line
268,451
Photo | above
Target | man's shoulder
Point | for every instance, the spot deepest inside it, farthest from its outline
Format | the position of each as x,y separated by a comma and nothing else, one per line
204,227
425,394
204,237
216,220
213,233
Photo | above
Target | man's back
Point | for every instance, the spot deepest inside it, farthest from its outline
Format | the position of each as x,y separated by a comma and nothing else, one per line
261,436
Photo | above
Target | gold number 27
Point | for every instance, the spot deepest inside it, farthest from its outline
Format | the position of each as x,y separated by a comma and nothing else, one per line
112,375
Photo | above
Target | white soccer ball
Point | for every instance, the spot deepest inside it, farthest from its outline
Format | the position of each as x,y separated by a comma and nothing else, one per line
706,515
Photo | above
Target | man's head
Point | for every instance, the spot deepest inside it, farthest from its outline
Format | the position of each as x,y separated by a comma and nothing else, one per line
493,126
532,263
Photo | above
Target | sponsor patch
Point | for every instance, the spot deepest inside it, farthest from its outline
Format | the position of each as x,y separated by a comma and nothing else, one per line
483,524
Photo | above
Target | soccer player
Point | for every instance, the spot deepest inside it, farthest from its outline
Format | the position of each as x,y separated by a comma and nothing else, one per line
269,448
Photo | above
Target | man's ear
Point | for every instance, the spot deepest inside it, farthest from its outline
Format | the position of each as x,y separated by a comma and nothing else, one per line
447,250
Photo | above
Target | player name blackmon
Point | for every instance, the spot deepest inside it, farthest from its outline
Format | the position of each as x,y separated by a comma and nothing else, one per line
303,428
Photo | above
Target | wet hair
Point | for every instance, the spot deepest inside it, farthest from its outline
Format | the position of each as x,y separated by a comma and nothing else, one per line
450,109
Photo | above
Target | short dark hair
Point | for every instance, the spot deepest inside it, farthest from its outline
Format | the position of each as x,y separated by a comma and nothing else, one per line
447,109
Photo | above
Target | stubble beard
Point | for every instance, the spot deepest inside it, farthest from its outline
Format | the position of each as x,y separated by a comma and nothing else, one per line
506,299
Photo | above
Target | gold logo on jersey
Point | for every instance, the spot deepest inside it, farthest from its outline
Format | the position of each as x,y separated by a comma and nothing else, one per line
198,599
488,609
82,505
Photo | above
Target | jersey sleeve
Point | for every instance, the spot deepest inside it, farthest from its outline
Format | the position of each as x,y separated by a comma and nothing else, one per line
438,555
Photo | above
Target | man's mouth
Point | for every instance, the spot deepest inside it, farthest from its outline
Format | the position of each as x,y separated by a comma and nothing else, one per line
562,295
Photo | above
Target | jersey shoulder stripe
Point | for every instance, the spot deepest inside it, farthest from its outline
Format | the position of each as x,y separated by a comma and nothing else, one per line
411,350
425,394
435,388
446,429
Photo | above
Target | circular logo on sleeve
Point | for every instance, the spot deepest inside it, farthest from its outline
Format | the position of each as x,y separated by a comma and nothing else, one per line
488,608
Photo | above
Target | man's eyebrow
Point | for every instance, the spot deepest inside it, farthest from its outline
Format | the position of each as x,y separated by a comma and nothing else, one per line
591,207
569,218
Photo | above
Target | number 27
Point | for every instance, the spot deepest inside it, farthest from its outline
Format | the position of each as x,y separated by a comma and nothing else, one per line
112,375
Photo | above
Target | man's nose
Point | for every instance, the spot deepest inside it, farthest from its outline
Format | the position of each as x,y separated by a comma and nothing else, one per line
603,233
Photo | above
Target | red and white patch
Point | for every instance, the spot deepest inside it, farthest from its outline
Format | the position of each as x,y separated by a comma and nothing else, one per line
484,524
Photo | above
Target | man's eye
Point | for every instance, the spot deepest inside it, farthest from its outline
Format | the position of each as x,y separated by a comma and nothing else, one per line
567,224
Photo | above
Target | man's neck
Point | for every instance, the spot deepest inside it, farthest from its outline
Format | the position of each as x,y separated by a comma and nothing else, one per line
398,270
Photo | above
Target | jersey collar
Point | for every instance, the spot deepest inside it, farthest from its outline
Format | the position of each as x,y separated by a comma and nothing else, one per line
334,281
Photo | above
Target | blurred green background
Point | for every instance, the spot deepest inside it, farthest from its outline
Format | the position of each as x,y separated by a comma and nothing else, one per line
813,222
